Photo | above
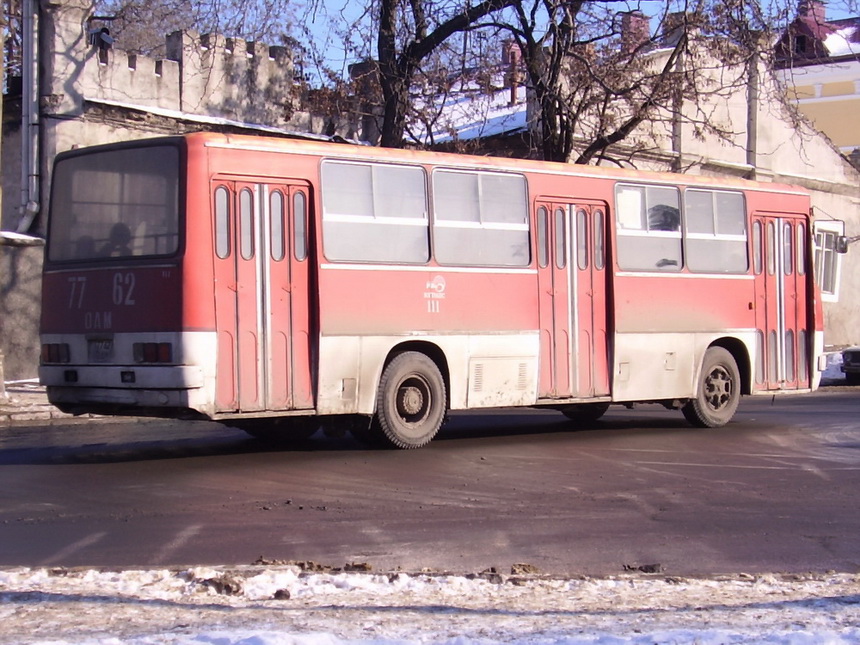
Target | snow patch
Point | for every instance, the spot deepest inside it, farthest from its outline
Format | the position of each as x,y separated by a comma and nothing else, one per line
840,42
284,605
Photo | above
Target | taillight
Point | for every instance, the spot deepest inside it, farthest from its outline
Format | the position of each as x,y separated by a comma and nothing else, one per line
55,353
153,352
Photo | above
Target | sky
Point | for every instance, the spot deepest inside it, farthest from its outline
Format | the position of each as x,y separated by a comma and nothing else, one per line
330,42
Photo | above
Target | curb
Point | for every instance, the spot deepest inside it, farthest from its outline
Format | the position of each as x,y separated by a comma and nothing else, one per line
26,402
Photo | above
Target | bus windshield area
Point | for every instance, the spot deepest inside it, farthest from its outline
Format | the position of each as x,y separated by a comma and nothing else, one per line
115,203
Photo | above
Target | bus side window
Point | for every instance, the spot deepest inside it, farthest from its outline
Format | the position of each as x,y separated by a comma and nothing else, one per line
757,264
542,237
246,224
801,249
300,226
599,241
276,218
770,249
648,221
582,241
480,218
788,242
560,239
374,212
715,231
222,222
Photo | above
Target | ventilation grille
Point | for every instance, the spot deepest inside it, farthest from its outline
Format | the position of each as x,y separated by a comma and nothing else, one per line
478,378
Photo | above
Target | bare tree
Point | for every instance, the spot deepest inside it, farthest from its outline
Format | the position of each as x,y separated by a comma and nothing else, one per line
598,75
409,33
12,43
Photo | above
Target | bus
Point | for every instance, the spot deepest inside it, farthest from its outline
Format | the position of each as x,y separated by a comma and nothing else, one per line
281,285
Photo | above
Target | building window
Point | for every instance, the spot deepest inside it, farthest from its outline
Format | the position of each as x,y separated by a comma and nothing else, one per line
800,44
828,263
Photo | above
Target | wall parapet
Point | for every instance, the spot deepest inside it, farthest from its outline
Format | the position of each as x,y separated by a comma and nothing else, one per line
207,74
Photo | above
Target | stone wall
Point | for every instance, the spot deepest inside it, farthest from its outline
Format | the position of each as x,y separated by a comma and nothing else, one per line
201,74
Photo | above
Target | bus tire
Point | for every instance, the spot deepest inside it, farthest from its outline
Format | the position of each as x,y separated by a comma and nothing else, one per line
718,392
585,413
410,402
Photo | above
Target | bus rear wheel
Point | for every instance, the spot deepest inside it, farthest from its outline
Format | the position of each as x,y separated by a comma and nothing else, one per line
718,392
410,403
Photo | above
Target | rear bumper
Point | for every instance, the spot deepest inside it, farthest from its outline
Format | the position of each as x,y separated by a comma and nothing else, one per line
125,377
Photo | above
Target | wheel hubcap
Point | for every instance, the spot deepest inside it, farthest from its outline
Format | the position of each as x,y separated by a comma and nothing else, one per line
411,400
718,388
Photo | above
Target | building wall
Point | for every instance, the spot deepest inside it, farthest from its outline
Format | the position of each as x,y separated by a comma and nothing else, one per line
20,294
829,95
89,96
784,148
793,151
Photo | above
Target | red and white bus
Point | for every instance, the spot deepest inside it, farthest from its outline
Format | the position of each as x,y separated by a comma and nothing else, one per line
281,284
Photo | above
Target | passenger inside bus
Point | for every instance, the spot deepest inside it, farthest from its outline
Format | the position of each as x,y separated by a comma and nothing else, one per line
664,218
118,243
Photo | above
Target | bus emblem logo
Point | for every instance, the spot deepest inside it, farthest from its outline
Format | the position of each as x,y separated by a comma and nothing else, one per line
434,293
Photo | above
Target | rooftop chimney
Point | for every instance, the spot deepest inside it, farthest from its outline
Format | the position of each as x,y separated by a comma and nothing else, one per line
814,11
511,57
635,31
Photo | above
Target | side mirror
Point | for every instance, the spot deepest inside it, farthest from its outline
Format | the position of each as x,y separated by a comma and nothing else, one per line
842,243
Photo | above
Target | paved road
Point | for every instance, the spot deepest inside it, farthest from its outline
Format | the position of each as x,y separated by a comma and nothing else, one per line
776,490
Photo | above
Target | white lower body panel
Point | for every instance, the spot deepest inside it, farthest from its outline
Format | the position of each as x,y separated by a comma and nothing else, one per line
662,366
486,370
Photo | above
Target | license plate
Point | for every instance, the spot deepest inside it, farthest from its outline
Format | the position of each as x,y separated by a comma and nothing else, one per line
100,351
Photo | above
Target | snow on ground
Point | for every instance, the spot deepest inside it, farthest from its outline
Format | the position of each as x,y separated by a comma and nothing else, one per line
282,604
833,372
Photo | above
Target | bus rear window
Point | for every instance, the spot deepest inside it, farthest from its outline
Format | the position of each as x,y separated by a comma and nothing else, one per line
115,203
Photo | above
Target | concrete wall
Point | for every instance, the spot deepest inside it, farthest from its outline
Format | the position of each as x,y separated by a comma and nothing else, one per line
20,293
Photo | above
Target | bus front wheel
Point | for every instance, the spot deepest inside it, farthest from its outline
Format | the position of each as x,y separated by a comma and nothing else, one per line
410,403
718,392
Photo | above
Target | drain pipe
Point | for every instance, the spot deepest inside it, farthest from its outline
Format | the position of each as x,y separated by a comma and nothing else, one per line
30,117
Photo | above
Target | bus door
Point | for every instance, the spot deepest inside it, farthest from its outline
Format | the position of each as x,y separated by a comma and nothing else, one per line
592,356
572,284
262,296
780,257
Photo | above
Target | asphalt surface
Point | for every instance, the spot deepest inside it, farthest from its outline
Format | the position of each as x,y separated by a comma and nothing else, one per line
775,491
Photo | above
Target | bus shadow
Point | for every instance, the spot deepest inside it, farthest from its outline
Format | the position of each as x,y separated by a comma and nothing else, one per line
129,443
523,424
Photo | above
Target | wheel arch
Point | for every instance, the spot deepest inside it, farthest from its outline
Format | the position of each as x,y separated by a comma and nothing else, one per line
740,352
432,351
